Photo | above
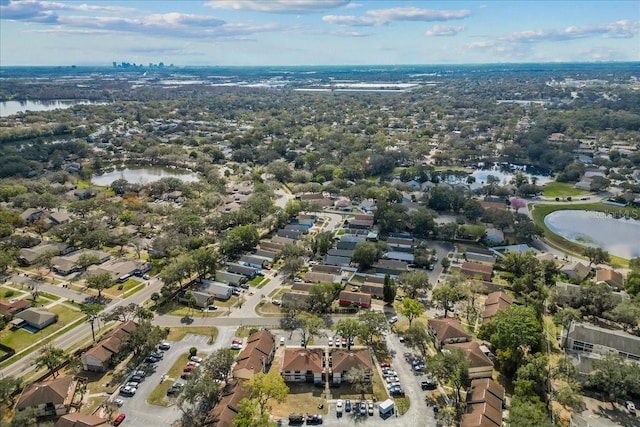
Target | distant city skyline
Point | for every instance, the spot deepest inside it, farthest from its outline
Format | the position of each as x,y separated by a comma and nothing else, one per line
316,32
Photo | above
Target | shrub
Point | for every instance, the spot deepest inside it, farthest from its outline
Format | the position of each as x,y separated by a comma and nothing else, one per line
193,351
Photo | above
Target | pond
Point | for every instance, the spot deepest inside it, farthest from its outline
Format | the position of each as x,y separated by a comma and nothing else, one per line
9,108
506,172
143,175
620,237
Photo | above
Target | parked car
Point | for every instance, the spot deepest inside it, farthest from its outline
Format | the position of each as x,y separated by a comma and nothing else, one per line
363,408
339,407
185,375
136,379
296,418
297,280
139,373
347,405
175,388
385,364
330,343
118,402
344,342
313,419
393,319
189,368
631,407
150,359
196,359
146,277
157,354
164,346
133,384
370,406
428,384
119,419
128,391
276,302
337,341
212,307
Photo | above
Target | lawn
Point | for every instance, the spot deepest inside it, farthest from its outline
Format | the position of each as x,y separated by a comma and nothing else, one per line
256,281
561,189
120,288
265,308
345,391
7,292
542,210
402,403
175,308
20,339
48,296
302,398
177,333
263,283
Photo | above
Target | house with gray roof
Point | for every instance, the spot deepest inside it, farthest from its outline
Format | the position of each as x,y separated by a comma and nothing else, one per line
586,342
336,260
37,318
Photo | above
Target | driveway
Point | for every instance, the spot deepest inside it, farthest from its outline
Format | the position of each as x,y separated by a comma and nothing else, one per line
138,411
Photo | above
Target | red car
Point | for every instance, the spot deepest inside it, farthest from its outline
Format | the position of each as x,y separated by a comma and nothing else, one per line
185,375
385,364
189,368
119,419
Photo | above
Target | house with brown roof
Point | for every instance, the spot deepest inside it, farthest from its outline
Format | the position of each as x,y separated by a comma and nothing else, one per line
77,419
476,270
100,357
342,360
610,277
480,366
376,290
347,298
447,331
486,390
318,277
48,398
225,411
495,302
10,308
303,365
256,356
481,415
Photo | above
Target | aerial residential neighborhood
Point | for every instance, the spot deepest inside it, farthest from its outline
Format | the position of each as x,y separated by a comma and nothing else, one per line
346,247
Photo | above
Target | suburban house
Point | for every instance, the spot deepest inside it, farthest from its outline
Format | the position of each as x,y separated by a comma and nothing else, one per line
447,331
400,256
317,277
347,298
342,360
200,299
610,277
270,246
336,260
391,267
263,253
480,366
230,278
254,261
256,356
248,272
575,270
122,269
349,242
485,400
587,342
303,365
37,318
297,228
376,290
476,270
8,309
29,256
495,302
77,419
100,357
218,290
49,398
401,244
67,264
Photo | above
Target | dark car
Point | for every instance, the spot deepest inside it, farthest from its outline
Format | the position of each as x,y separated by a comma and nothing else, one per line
151,359
313,419
428,384
164,346
136,378
347,405
157,354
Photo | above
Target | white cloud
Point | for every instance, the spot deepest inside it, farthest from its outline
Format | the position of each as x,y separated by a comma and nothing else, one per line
619,29
443,31
279,6
377,17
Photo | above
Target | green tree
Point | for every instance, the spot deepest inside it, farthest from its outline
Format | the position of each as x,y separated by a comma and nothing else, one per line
359,379
514,332
52,358
615,376
91,311
416,336
373,324
144,338
365,254
627,312
206,261
265,388
99,282
249,415
8,388
310,326
411,308
528,412
473,210
321,297
349,329
219,363
452,367
321,243
632,282
596,255
389,290
198,396
87,259
292,265
414,283
445,295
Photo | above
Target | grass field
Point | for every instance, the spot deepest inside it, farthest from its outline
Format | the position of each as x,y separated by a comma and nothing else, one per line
120,288
20,338
540,211
561,189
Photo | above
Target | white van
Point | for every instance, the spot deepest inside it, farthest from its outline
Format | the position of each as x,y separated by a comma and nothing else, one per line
281,340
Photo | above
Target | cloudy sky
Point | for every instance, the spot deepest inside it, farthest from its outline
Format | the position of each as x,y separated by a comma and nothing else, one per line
316,32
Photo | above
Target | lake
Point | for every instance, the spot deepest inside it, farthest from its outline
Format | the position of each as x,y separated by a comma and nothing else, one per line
9,108
506,172
143,175
620,237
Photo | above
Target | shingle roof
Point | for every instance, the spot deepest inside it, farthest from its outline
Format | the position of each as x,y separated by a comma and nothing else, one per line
477,359
36,316
9,307
610,277
80,420
344,359
448,329
296,359
59,391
